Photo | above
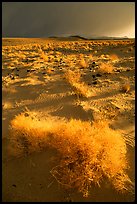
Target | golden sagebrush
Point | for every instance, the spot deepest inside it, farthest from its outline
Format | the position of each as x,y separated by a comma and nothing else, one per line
106,67
79,87
86,153
126,87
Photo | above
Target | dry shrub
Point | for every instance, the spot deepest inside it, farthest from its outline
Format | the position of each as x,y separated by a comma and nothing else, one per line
50,70
87,153
73,76
27,134
83,63
106,67
44,56
80,88
126,87
90,57
7,105
113,57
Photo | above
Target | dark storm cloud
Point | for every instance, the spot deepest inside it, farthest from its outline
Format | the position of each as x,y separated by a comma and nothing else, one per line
41,19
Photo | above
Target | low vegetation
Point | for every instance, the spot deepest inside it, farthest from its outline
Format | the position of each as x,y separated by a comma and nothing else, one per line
126,87
87,153
79,87
106,67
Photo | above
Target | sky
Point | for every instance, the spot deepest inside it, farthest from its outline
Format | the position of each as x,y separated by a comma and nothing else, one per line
44,19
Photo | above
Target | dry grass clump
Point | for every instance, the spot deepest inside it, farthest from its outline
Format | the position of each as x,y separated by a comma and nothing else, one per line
7,105
113,57
126,87
80,88
27,134
83,63
73,76
50,70
87,153
45,57
42,54
106,67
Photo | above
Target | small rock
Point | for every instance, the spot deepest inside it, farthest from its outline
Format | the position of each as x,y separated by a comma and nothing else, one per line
12,77
118,70
14,185
26,114
93,76
95,82
98,75
25,60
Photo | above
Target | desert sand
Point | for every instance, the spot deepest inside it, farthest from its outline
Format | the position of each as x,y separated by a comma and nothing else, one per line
36,77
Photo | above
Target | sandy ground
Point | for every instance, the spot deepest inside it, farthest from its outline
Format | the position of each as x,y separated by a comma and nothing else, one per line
29,80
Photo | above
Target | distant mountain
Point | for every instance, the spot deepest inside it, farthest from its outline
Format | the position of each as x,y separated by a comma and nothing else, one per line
71,37
106,37
109,38
78,37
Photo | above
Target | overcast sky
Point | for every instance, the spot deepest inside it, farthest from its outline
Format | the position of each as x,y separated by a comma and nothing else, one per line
43,19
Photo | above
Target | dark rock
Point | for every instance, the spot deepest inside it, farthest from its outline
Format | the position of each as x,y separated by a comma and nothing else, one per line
25,60
95,82
14,185
93,76
12,77
30,70
98,75
26,114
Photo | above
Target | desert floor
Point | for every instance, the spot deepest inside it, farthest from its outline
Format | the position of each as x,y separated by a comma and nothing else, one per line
33,73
